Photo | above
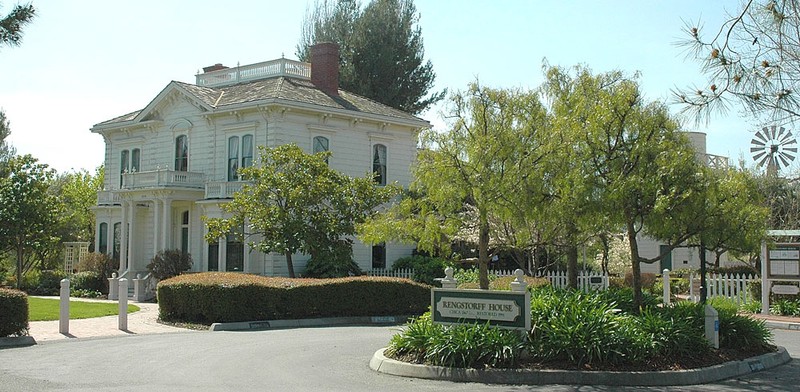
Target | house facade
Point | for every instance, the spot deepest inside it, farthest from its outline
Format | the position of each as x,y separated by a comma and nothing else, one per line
175,161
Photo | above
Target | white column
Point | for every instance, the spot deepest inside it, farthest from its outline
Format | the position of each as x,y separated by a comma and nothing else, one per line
222,262
123,239
167,227
132,236
156,226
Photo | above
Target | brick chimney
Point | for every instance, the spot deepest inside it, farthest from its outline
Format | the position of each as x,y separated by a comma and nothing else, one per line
215,67
325,67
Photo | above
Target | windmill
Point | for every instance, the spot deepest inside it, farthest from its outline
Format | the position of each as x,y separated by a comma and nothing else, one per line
774,146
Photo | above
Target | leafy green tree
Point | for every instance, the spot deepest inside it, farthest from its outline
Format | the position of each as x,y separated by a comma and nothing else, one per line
640,170
27,209
77,193
381,50
6,150
294,202
472,172
752,59
11,25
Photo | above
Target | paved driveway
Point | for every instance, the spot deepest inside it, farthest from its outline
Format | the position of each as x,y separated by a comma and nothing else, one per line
314,359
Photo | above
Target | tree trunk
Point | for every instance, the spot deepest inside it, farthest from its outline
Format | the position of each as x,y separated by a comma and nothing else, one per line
636,270
703,283
289,265
483,252
20,266
572,259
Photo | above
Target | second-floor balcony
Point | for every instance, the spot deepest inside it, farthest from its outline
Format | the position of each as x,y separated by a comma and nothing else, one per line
163,179
223,189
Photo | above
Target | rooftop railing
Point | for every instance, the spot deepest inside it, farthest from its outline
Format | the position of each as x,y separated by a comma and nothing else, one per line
247,73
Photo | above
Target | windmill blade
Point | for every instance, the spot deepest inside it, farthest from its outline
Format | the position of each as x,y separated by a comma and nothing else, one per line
783,160
781,130
758,156
761,135
764,160
754,150
790,141
772,132
790,149
756,142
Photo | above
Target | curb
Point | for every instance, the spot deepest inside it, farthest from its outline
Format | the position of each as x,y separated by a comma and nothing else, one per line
305,323
782,325
723,371
17,341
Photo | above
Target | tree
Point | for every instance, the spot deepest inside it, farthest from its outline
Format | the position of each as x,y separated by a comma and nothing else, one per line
294,202
11,25
77,193
472,172
640,170
381,50
6,150
753,59
27,209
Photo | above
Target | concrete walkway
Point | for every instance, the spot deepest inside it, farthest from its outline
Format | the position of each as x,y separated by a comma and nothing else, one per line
142,322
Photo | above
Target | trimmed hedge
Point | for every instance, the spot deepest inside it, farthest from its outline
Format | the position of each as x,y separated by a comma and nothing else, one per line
13,313
212,297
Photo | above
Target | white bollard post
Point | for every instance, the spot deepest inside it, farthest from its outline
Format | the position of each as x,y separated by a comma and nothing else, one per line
449,282
667,292
63,314
123,304
712,326
519,284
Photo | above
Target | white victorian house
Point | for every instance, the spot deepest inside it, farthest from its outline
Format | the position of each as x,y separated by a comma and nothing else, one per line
176,160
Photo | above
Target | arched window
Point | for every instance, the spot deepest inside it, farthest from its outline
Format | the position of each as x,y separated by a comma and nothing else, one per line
233,158
124,163
379,163
320,145
240,155
181,153
135,158
102,242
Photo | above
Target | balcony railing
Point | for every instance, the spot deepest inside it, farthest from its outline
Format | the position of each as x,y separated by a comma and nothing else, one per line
717,161
163,179
263,70
107,198
222,190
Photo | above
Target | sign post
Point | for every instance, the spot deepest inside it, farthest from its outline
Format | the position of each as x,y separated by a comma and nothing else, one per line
781,263
503,309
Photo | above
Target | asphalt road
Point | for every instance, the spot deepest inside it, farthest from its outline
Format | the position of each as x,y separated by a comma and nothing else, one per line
315,359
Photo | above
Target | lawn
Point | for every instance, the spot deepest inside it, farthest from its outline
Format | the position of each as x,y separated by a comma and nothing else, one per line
45,309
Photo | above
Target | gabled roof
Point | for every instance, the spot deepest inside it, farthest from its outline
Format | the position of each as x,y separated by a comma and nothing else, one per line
288,90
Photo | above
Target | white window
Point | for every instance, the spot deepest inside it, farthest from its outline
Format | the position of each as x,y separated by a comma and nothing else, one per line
321,144
239,155
181,153
379,163
129,162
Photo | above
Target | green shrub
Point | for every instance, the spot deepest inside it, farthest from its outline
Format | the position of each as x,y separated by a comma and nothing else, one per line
470,275
785,307
648,280
87,280
211,297
83,293
101,264
426,269
623,298
754,289
14,312
675,331
739,331
335,261
169,263
49,283
413,341
752,306
581,328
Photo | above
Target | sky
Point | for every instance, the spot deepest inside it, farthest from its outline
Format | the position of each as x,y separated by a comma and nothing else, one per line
83,62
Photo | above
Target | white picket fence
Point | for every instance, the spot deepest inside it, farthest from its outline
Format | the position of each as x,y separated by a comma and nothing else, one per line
407,273
586,280
731,286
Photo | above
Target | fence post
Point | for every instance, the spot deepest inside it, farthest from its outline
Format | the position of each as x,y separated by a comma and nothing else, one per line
519,283
123,304
667,292
113,286
63,314
449,282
